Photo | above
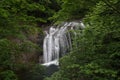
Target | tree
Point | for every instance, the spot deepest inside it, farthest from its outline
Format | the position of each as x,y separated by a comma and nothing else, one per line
97,55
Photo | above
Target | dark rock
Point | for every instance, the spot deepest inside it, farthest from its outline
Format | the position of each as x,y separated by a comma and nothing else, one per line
50,70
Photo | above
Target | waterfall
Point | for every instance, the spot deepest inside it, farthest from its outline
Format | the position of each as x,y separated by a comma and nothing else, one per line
58,41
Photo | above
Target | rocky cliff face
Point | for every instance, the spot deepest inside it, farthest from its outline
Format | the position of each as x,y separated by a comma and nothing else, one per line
29,45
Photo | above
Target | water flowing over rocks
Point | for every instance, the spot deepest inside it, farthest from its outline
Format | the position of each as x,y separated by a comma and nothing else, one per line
58,41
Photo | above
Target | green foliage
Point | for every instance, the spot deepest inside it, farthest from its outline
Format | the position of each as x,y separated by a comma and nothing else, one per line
34,72
71,10
57,76
97,56
8,75
37,72
18,33
7,49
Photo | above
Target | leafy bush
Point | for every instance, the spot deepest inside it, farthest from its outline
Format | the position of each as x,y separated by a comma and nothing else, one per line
97,55
37,72
31,72
8,75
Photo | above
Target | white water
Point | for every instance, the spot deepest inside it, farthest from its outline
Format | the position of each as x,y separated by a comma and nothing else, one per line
57,42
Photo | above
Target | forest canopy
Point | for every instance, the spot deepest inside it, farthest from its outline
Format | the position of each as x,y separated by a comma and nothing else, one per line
97,56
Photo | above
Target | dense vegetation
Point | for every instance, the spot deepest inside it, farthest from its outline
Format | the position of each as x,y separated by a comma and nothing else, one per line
97,56
20,22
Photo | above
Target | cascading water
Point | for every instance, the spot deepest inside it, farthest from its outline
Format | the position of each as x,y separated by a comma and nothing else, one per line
57,41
